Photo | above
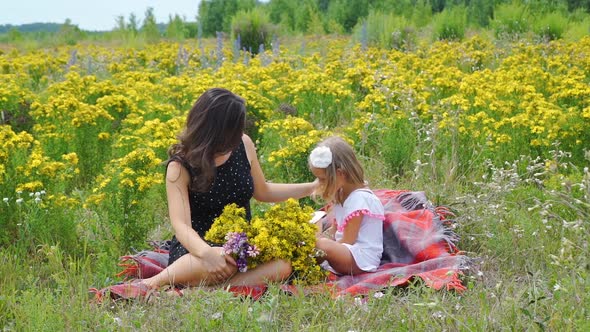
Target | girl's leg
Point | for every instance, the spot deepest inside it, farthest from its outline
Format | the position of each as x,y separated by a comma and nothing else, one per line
188,270
339,257
273,271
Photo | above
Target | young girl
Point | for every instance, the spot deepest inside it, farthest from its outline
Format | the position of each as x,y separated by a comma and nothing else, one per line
358,213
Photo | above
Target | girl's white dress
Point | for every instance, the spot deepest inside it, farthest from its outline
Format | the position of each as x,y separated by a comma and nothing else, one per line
368,247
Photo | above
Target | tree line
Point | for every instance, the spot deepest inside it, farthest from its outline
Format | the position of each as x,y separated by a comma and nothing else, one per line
254,21
337,16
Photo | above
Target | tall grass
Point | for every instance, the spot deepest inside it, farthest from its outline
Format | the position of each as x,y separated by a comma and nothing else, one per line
522,211
388,31
551,26
450,24
527,275
511,20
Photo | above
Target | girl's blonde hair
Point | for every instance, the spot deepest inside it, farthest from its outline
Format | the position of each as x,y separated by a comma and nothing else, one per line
343,159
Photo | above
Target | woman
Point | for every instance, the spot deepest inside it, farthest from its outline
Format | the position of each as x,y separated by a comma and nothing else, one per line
215,164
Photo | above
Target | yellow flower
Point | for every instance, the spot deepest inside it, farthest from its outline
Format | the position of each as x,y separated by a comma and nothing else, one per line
104,136
94,199
30,186
282,232
72,158
127,183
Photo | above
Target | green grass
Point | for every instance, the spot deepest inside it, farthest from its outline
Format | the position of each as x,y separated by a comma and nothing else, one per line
525,277
527,235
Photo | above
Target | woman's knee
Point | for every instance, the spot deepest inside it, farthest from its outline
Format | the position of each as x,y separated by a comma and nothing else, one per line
284,269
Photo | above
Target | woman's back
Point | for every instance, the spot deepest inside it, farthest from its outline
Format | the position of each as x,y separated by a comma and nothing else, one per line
233,184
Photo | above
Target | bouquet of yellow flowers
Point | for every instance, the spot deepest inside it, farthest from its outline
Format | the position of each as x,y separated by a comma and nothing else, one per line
283,232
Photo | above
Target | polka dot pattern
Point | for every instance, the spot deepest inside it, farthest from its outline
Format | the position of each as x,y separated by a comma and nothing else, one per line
233,184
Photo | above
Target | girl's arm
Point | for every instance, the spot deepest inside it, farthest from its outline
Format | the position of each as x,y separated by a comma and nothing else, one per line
273,192
177,183
351,230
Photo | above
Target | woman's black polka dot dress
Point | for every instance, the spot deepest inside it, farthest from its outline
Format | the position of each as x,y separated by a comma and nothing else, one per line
233,184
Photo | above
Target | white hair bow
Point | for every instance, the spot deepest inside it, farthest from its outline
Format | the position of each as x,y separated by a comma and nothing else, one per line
321,157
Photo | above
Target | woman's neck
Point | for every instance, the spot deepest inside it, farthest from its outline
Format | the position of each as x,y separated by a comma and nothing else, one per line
220,158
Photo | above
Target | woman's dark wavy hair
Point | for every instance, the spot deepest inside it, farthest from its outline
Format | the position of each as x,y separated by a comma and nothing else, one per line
214,125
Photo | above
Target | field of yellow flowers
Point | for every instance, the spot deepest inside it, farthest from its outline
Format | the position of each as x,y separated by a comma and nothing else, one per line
84,131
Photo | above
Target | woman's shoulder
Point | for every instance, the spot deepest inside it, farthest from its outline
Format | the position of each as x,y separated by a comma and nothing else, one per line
177,161
248,143
250,147
176,170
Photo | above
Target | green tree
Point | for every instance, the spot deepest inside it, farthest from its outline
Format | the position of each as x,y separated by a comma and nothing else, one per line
399,7
315,25
305,11
216,15
347,13
191,29
437,5
480,12
120,24
421,13
572,5
175,29
282,12
69,33
149,29
120,31
14,34
133,25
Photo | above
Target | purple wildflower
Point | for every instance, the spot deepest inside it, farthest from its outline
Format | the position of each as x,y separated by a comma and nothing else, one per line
237,245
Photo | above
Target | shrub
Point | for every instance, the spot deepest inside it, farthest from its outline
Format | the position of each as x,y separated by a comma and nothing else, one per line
551,26
421,13
511,20
253,28
450,24
399,144
388,30
578,30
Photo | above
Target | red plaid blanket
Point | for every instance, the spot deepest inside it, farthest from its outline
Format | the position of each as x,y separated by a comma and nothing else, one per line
418,243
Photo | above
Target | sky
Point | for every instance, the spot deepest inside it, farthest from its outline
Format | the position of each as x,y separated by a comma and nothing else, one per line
92,14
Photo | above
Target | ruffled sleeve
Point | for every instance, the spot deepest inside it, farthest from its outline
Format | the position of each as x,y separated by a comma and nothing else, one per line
362,202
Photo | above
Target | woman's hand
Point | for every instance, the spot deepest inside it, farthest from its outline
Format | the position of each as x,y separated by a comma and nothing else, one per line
218,265
315,186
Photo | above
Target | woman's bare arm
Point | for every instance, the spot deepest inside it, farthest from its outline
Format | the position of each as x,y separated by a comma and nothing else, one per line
177,182
273,192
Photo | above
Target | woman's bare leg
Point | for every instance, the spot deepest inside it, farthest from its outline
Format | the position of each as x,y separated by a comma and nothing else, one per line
188,270
273,271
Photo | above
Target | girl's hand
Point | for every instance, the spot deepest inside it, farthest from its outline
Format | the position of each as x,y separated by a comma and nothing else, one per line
216,264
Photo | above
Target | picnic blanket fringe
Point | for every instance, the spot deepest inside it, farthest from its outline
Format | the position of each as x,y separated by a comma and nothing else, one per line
419,242
416,200
143,264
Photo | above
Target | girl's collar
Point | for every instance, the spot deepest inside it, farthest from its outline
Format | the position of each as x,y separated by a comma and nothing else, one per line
340,195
